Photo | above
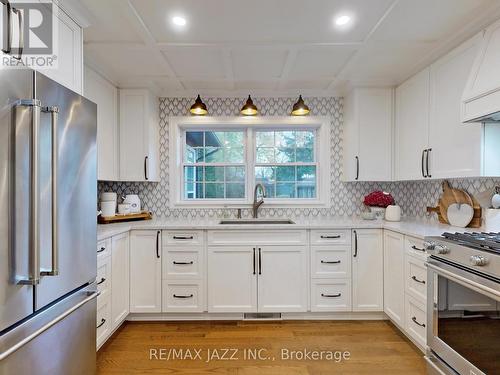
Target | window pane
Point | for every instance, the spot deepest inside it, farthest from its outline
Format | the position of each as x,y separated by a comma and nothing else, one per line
265,139
193,191
305,139
306,190
285,139
193,155
214,155
235,174
193,173
234,155
285,190
214,191
306,173
270,190
233,139
194,139
285,155
265,155
264,174
285,174
214,139
305,155
235,190
214,174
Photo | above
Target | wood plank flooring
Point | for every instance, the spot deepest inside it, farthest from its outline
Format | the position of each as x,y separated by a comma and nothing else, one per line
375,347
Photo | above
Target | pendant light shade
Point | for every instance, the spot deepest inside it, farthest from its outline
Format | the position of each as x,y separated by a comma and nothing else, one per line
249,109
300,108
198,108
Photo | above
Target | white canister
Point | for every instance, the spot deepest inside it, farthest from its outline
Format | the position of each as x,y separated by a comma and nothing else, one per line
108,196
108,208
492,219
134,202
393,213
124,208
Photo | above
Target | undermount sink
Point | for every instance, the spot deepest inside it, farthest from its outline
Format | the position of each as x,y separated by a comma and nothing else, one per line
257,221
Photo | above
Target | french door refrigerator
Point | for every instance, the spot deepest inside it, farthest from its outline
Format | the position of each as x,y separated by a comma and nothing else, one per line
48,194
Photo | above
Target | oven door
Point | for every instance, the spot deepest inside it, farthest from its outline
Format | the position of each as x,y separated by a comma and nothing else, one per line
463,319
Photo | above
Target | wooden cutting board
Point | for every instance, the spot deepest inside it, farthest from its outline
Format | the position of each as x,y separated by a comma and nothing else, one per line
144,215
451,196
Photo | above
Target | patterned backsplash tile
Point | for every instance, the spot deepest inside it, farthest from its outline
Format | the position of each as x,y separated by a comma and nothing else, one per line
346,197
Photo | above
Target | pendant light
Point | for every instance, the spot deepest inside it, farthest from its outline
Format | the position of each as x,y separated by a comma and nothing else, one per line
249,109
198,108
300,108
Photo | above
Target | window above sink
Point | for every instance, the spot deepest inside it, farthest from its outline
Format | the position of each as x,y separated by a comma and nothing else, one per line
218,161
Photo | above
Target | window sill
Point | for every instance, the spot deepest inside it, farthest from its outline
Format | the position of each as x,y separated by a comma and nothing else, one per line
246,204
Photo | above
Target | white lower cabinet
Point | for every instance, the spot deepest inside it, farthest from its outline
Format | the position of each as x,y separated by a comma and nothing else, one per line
367,270
120,279
282,279
232,279
103,323
416,320
331,295
145,271
394,270
183,296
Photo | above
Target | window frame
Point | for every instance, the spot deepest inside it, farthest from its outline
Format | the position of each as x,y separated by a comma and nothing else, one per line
178,125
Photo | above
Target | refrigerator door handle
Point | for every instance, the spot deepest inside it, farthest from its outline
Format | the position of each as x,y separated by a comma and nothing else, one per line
34,241
7,43
38,332
54,111
21,33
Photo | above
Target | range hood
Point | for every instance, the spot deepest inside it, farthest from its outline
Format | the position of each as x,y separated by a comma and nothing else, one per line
481,97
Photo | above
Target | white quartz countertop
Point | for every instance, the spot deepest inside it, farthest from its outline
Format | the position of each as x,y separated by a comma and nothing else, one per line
409,226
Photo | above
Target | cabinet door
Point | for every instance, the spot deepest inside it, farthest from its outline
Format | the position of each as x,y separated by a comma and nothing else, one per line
412,126
282,281
69,71
456,148
394,280
119,279
232,279
375,134
368,270
105,95
145,271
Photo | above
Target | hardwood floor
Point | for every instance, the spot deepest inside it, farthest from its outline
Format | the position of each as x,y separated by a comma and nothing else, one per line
375,347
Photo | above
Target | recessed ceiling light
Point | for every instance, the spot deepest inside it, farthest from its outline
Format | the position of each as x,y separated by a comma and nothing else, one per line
342,20
179,21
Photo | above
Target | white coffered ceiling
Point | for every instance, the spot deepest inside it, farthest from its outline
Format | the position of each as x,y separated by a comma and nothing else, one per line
273,47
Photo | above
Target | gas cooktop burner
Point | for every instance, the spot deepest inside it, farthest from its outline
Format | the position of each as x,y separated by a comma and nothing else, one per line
483,241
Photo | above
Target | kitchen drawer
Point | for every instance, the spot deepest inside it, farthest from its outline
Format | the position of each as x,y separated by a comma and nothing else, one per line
104,248
415,247
182,238
103,323
416,278
103,279
183,296
330,262
260,237
330,237
331,295
416,320
182,263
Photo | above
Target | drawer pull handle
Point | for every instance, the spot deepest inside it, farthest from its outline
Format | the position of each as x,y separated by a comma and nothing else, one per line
183,237
330,237
418,249
331,295
101,249
330,262
182,263
180,296
102,280
414,278
417,323
101,324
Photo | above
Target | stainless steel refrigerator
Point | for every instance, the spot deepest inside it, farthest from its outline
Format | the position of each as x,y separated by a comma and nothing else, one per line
48,194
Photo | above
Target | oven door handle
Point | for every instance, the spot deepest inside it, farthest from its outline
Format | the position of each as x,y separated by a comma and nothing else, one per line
483,289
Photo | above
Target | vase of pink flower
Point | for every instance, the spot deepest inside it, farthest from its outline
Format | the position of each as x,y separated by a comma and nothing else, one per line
377,202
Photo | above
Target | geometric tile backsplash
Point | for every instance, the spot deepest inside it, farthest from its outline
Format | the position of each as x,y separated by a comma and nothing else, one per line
346,198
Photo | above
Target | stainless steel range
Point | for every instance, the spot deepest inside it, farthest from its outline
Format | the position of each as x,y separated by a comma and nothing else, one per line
463,308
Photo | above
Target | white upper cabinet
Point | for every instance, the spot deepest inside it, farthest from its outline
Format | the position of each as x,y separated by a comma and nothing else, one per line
431,141
105,95
481,96
139,133
456,149
368,135
69,71
412,127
